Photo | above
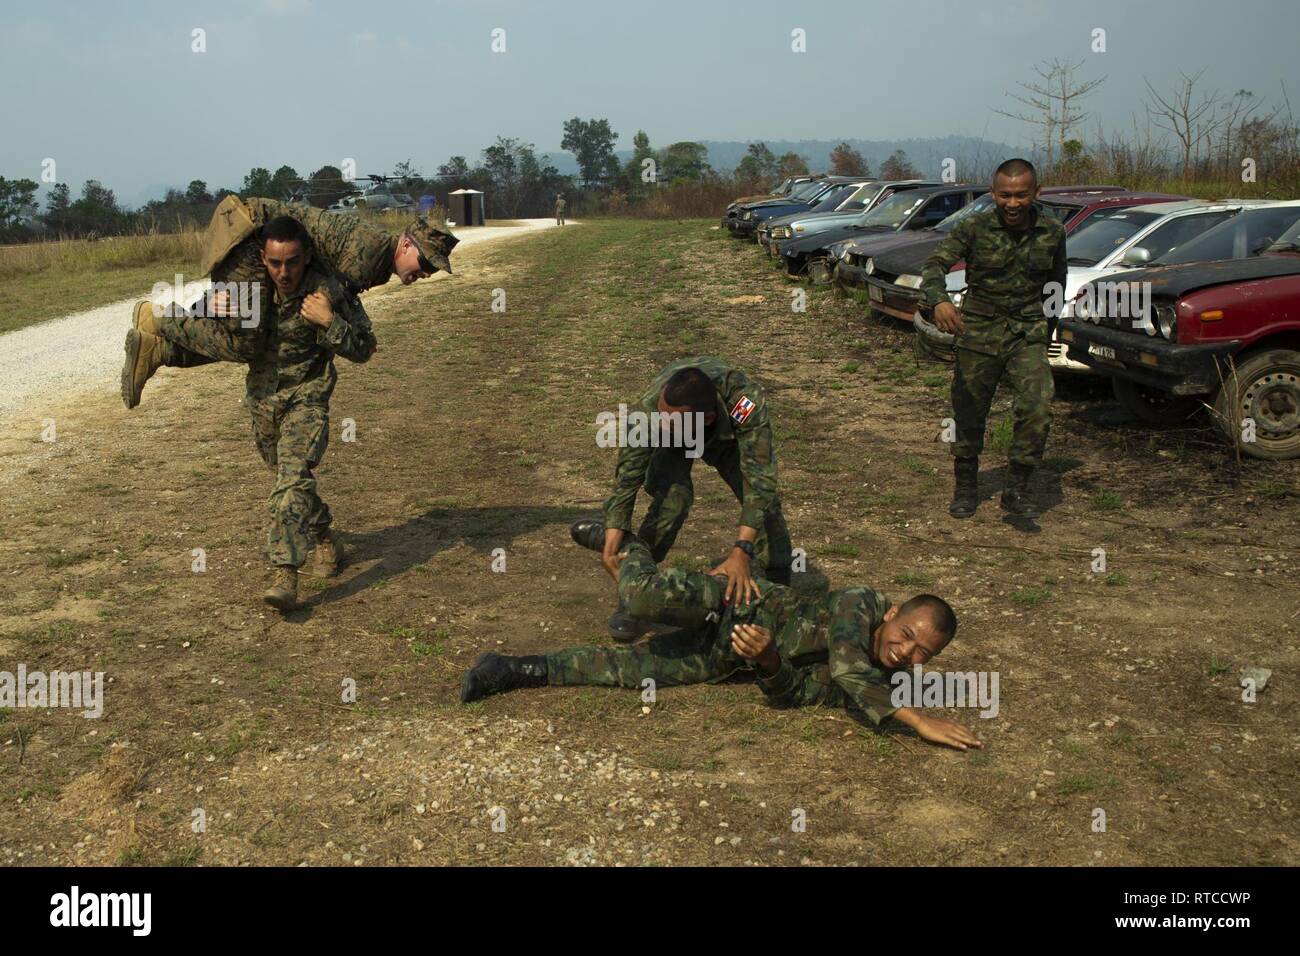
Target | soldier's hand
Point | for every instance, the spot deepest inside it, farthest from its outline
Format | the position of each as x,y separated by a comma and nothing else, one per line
610,556
947,318
741,587
754,643
316,310
940,730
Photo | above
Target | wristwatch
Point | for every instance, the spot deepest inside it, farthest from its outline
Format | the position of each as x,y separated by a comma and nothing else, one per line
747,547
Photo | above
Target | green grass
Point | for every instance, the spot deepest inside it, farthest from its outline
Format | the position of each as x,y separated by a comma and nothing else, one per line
1117,579
1001,435
914,579
1031,597
1216,667
1107,501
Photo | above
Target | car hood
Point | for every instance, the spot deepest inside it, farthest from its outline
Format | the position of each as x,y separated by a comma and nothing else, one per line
820,240
1171,282
874,243
908,254
817,220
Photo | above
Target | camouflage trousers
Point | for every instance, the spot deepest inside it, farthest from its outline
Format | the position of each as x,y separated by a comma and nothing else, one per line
691,600
195,340
292,436
989,351
668,483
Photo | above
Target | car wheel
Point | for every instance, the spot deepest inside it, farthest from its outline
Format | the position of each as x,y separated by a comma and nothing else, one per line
1153,405
1263,390
820,270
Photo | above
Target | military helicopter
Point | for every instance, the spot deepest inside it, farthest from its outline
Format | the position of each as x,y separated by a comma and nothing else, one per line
378,195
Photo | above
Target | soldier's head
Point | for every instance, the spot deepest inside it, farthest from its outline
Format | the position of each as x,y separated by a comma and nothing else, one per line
913,632
1014,189
422,250
690,390
286,251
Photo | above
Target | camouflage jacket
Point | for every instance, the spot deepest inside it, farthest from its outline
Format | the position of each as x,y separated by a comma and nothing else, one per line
824,645
741,417
1006,271
361,254
298,357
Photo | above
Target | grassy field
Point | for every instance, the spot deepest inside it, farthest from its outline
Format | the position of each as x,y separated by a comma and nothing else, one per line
474,431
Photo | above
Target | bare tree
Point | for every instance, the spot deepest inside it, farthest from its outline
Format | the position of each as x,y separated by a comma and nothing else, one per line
1192,121
1052,100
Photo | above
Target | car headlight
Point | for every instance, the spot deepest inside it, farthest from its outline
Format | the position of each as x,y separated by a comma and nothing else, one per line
908,281
1167,319
869,267
748,215
798,228
781,232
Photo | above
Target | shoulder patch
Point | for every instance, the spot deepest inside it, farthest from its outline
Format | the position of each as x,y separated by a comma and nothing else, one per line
740,413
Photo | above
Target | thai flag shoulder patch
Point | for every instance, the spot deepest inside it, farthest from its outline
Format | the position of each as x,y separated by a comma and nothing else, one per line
740,414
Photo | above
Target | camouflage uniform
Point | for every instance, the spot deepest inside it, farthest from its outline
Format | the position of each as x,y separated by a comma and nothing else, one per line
559,211
1007,330
823,642
359,255
739,445
287,392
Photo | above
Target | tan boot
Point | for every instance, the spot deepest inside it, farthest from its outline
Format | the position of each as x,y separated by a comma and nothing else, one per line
143,318
145,354
283,592
327,557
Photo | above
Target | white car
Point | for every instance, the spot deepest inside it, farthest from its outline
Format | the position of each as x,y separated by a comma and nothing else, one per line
1130,238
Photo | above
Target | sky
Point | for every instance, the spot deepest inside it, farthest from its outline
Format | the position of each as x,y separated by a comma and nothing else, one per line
118,92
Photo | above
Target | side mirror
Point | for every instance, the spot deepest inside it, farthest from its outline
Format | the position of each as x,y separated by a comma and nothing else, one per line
1137,256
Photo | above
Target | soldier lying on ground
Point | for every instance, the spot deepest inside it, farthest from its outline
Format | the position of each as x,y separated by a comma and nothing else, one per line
836,649
738,442
358,254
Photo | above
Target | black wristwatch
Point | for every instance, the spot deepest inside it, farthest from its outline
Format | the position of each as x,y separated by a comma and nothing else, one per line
747,547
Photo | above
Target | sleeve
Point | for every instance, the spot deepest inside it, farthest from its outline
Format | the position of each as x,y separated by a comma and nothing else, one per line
350,334
757,454
954,247
1060,266
856,616
794,686
629,475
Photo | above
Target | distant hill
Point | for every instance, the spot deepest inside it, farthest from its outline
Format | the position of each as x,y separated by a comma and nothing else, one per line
927,155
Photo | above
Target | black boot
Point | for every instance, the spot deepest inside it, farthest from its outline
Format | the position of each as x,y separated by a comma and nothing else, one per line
623,627
495,673
1015,497
590,533
965,496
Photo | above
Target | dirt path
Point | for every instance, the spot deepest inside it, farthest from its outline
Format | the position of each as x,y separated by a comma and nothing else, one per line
474,439
45,365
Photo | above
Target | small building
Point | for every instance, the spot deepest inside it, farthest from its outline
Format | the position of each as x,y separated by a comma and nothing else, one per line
465,207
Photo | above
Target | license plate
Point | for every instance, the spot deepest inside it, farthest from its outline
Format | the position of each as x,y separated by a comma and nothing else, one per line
1102,352
874,294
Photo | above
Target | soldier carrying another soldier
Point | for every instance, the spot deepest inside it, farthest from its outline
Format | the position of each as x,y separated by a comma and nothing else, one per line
358,254
1014,254
837,649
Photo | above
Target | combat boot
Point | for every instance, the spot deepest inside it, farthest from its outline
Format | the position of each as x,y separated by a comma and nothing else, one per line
965,495
1015,496
328,555
495,673
590,533
143,319
145,354
283,592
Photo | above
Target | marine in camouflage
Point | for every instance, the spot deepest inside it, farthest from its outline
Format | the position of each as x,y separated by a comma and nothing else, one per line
824,642
743,453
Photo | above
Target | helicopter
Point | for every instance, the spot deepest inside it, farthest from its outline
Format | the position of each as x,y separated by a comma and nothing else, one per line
377,195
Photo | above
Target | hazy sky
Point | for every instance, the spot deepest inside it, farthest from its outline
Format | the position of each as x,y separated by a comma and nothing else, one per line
114,91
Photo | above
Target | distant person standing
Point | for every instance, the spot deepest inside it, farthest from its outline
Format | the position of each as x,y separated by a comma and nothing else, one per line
559,209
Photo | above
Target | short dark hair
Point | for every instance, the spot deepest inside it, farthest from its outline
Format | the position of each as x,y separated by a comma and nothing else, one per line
286,229
692,388
1016,167
941,613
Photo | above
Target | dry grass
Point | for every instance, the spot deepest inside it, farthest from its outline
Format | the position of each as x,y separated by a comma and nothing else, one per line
80,256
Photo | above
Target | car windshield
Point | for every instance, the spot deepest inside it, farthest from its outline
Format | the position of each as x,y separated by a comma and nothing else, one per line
833,197
979,205
1289,241
891,213
810,188
1089,245
1059,211
1243,236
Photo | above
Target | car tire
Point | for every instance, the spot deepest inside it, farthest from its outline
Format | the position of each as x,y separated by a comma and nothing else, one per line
1154,406
1263,386
820,270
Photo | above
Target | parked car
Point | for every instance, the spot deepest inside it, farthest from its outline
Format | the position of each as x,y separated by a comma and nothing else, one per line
1113,243
865,199
910,207
801,199
786,188
895,273
1222,333
834,204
